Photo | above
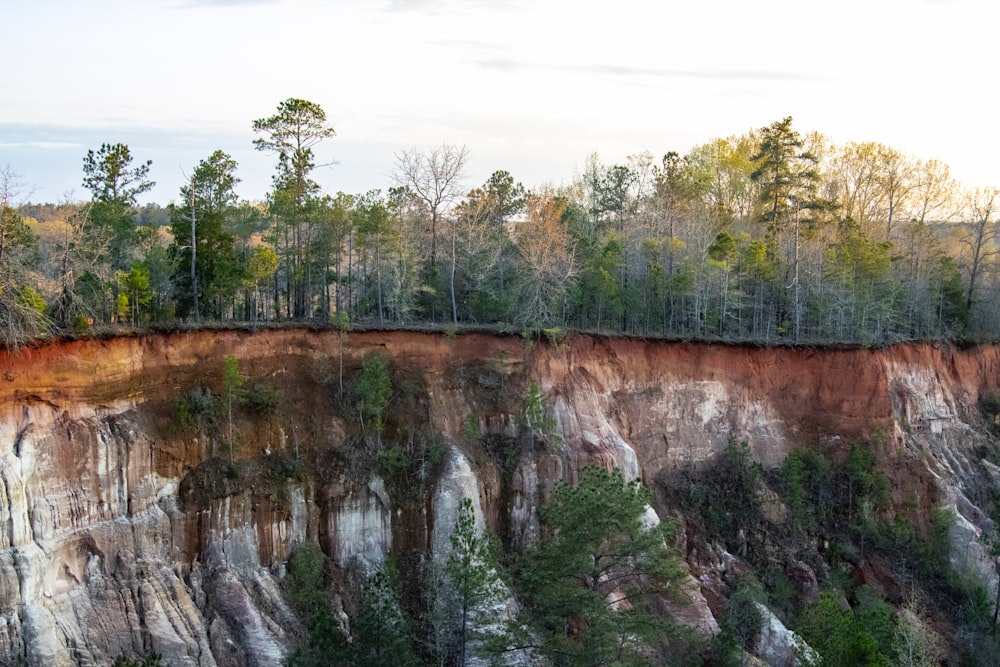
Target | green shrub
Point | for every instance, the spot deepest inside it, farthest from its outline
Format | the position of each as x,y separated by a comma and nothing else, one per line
150,660
305,587
806,485
471,430
263,399
196,409
81,324
744,620
734,503
989,406
861,479
372,390
392,461
29,298
838,636
304,578
554,335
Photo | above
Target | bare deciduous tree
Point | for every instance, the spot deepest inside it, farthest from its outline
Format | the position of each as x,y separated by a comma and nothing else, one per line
21,307
977,237
547,260
435,177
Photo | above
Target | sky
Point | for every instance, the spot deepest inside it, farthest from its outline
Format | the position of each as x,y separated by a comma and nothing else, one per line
532,87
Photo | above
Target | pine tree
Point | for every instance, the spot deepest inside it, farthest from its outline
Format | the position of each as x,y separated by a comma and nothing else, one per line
232,383
590,584
471,570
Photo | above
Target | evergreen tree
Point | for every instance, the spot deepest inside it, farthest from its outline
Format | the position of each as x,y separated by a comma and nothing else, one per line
292,133
590,584
372,391
206,266
116,184
306,589
471,572
381,633
788,178
232,388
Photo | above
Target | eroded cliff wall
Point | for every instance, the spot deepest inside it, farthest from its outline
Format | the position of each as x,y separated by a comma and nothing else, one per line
123,530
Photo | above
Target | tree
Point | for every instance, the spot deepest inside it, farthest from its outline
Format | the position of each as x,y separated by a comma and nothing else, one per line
471,571
343,324
591,582
788,179
261,265
14,233
292,133
339,217
83,274
473,247
546,261
503,198
20,318
978,240
199,227
990,539
727,165
864,297
306,589
916,642
614,194
535,418
232,388
373,391
872,183
381,634
743,619
374,218
934,192
435,178
160,269
598,288
678,190
838,635
115,185
134,285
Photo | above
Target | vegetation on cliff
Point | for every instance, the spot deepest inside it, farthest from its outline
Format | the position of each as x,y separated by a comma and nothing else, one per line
863,581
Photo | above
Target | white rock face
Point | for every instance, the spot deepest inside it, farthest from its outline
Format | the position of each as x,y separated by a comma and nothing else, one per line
89,558
362,526
458,482
780,647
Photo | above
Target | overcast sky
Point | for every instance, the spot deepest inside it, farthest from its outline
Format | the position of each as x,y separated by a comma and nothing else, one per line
532,87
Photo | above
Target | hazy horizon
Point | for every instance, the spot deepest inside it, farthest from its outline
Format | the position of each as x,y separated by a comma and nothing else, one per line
532,88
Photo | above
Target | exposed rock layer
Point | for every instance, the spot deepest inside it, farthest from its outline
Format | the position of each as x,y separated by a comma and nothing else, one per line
109,544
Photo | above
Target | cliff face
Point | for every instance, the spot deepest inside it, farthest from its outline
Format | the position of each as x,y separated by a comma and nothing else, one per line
123,528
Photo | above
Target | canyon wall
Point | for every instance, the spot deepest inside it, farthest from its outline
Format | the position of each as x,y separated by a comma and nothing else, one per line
125,530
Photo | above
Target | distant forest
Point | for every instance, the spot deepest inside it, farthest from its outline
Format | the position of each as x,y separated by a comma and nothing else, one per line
770,237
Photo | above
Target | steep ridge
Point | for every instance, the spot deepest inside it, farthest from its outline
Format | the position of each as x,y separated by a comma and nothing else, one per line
123,530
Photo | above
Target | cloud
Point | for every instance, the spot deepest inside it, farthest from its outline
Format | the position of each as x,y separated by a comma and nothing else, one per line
44,145
626,71
224,3
441,6
470,44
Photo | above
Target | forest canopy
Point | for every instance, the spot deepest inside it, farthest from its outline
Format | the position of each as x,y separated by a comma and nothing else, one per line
774,236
